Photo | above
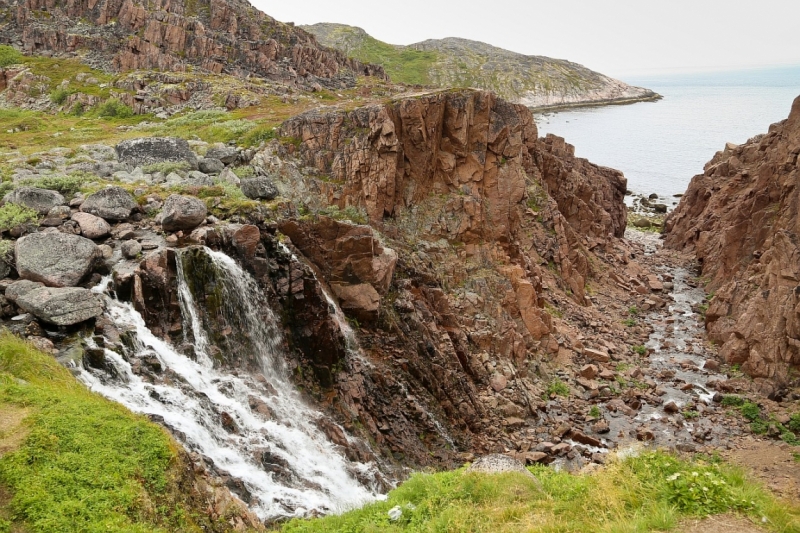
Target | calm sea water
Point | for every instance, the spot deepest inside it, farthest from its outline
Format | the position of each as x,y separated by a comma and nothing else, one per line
661,145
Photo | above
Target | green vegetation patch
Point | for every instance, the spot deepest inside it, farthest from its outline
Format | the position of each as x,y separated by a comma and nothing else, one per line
13,215
87,464
403,65
651,492
9,56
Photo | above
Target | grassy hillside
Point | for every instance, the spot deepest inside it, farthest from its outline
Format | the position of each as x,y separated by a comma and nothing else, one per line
71,460
402,64
536,81
652,492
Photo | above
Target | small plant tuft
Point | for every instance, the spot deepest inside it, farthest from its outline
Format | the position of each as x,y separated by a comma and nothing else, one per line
13,215
639,349
557,388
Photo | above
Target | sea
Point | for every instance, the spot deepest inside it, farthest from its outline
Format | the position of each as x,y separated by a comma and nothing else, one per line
660,145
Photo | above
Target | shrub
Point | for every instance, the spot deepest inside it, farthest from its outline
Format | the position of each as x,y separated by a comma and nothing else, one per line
557,387
731,400
165,167
113,108
13,215
66,185
639,349
9,56
59,96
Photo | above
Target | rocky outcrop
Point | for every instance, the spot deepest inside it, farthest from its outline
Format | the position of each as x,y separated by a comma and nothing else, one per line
228,36
740,220
55,259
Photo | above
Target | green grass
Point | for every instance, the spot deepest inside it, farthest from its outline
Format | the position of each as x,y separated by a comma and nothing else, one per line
9,56
402,65
87,464
639,349
651,492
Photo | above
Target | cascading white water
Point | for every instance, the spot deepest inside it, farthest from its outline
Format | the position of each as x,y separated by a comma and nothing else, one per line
255,428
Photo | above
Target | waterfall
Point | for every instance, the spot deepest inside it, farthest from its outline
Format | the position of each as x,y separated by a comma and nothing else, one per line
250,425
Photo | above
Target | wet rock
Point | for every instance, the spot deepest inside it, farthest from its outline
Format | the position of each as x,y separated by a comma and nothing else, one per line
228,423
182,213
259,188
210,165
92,227
660,208
55,259
583,438
40,200
111,203
130,249
601,427
641,222
62,306
671,407
644,433
149,150
711,365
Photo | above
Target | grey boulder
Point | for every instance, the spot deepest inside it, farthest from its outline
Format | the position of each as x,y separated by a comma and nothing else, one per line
111,203
20,288
55,259
148,150
40,200
226,154
62,306
209,165
182,213
259,188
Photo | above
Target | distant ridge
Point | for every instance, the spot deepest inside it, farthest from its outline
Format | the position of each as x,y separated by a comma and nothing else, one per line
535,81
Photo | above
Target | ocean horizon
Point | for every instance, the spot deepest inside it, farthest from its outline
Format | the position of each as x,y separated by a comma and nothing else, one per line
661,145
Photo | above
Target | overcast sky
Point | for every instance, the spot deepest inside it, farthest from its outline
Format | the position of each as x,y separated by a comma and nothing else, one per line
615,37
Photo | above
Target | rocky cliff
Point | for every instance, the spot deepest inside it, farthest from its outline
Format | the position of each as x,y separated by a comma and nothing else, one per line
740,219
535,81
228,36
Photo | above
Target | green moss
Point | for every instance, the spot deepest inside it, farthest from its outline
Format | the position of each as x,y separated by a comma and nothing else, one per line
87,464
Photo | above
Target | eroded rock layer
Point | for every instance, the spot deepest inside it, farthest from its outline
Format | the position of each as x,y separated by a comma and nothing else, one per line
740,219
228,36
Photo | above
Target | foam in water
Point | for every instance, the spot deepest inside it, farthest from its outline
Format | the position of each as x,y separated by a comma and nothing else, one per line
287,464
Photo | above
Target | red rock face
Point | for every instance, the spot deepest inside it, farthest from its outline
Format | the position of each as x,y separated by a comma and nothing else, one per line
469,145
740,219
218,35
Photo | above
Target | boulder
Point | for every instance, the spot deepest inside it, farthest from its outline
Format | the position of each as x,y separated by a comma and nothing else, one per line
92,227
209,165
225,154
40,200
55,259
131,249
62,306
259,188
230,176
20,288
182,213
148,150
361,300
111,203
